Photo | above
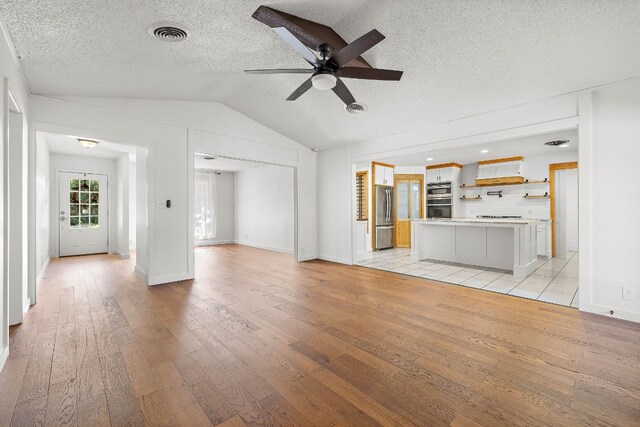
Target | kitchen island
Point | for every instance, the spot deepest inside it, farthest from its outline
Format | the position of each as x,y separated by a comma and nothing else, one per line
506,244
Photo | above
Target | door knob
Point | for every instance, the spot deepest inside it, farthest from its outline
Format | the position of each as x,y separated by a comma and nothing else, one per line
62,218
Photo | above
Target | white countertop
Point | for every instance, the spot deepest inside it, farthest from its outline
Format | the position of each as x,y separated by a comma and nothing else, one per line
479,221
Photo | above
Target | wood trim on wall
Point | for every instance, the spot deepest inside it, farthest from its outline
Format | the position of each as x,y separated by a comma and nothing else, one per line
445,165
409,177
365,195
502,160
373,200
552,201
383,164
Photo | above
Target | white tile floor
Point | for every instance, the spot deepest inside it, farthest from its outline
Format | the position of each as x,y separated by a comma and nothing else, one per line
554,281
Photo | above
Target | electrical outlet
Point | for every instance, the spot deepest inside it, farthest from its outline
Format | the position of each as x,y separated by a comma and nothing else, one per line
628,293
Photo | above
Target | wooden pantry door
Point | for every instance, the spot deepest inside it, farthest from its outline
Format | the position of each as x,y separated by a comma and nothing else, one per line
409,189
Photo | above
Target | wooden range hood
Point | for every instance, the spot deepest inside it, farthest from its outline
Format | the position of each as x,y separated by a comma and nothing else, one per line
505,171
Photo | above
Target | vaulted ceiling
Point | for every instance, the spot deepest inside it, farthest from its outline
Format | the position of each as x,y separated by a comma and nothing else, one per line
460,57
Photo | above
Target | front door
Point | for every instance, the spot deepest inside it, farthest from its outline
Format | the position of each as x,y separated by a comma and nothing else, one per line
83,214
409,201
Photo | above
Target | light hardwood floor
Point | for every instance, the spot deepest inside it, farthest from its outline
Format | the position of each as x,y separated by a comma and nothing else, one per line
258,339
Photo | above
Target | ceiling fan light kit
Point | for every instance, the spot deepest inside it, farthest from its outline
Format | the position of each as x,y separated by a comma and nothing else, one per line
335,60
324,81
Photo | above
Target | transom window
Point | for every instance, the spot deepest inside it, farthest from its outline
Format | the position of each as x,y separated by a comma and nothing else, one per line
84,203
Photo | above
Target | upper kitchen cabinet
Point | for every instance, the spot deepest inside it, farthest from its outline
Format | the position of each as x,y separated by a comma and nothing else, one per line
446,172
383,174
500,171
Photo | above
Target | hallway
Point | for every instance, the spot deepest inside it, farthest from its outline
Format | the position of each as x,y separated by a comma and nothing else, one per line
259,339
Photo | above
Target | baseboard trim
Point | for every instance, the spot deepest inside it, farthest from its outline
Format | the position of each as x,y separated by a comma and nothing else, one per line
335,259
44,267
214,243
161,280
4,354
302,258
605,311
266,247
120,254
140,271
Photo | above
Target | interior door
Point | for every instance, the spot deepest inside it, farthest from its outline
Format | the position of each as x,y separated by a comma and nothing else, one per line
83,214
409,197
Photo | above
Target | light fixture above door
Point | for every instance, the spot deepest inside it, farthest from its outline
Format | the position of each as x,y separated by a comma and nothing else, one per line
87,143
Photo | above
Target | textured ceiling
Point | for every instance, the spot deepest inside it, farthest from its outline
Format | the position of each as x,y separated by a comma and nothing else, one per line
460,57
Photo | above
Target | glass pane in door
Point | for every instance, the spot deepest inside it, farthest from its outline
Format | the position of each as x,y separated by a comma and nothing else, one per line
416,201
403,200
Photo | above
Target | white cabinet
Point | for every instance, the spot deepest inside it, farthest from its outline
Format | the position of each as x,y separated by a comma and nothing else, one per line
544,239
499,169
384,175
444,174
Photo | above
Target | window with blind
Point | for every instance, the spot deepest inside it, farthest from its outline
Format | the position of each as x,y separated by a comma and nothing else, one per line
362,196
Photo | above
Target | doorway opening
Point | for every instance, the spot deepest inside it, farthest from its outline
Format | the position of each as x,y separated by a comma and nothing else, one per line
88,198
455,195
243,202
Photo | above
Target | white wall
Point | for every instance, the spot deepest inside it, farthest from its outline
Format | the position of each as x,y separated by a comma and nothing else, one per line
142,213
512,203
132,202
572,209
336,181
614,227
12,82
65,162
43,194
121,244
264,208
17,220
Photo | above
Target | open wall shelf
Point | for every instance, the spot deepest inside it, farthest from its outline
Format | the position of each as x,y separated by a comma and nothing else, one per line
536,196
545,181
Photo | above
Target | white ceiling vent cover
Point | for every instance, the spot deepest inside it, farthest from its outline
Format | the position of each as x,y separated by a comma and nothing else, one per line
356,108
168,31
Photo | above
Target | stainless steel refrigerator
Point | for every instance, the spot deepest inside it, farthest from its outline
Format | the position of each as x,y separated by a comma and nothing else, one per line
384,217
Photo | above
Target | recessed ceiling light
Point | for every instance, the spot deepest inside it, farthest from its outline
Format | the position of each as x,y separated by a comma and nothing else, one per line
87,143
558,143
485,151
429,159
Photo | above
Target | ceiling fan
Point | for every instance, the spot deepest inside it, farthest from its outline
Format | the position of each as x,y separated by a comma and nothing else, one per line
335,58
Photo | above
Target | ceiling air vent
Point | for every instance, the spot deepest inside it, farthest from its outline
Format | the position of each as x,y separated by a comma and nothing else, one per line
168,31
558,143
356,108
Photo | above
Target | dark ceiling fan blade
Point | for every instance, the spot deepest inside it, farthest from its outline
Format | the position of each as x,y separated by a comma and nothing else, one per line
311,34
343,93
357,47
297,45
282,71
302,89
369,73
